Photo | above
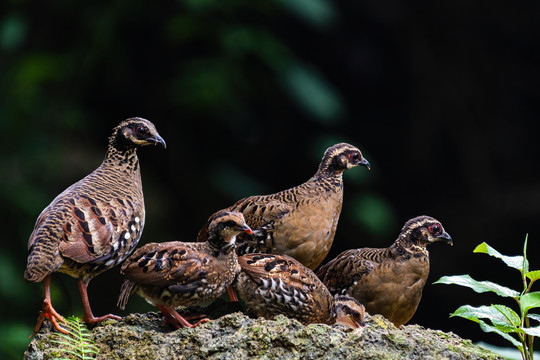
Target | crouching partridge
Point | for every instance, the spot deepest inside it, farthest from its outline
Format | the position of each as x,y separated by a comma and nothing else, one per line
300,222
278,284
387,281
177,273
95,223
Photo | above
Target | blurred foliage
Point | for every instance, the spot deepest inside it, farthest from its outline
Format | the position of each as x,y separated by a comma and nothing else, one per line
12,32
320,13
441,97
374,214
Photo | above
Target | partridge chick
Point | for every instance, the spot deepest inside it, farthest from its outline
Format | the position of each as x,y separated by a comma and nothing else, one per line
278,284
178,273
95,223
301,221
387,281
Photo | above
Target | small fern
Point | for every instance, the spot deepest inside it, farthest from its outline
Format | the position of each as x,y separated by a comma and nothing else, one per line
78,343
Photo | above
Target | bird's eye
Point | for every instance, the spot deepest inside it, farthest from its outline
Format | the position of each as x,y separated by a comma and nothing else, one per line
141,129
435,229
230,223
355,156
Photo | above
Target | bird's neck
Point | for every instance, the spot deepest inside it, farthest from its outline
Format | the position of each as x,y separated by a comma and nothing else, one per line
123,159
403,246
329,176
217,246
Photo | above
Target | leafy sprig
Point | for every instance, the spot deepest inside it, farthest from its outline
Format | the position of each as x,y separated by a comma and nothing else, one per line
78,343
500,319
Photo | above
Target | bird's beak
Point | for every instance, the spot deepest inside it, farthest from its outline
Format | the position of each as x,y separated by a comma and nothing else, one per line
158,141
246,229
365,163
446,238
347,321
358,324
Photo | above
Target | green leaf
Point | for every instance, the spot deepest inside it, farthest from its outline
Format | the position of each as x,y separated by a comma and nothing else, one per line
79,342
510,315
533,275
533,331
488,328
515,262
534,317
525,261
502,317
478,286
529,301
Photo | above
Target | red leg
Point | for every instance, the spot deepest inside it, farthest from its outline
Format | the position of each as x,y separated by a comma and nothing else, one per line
47,311
88,317
232,294
175,319
167,317
192,317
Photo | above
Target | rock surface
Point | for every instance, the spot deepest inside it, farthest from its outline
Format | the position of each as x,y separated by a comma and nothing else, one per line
236,336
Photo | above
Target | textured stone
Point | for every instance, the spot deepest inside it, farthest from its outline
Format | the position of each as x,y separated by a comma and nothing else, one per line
236,336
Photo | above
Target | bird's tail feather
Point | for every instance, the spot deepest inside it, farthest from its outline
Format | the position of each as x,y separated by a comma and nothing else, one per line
125,291
43,260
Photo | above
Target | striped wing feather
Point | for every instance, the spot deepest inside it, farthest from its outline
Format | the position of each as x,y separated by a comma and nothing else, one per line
350,266
174,264
268,267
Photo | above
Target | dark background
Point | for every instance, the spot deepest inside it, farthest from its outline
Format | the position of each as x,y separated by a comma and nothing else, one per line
441,96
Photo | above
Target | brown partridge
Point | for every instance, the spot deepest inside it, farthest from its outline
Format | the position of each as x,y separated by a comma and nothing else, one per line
387,281
178,273
278,284
95,223
301,221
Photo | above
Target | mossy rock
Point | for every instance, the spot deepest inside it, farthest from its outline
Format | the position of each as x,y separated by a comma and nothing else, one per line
236,336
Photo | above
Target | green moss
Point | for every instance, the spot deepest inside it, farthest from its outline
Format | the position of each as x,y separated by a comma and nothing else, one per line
56,354
235,336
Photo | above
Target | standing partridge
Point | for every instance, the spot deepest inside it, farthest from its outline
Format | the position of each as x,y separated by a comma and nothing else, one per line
278,284
179,273
387,281
95,223
301,221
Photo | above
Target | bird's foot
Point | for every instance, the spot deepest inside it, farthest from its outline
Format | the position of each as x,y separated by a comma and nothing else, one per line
177,321
47,311
186,315
91,320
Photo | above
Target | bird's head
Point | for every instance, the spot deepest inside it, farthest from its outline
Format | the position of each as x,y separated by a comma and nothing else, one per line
341,157
135,132
224,227
424,230
349,311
